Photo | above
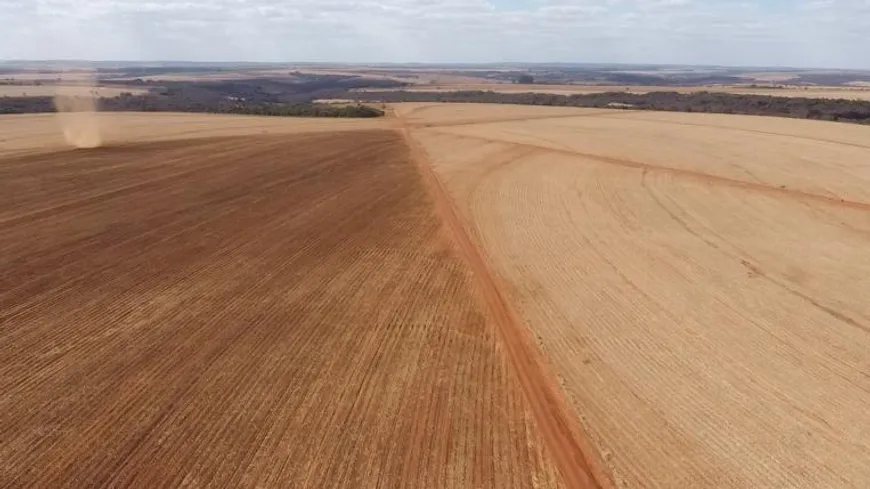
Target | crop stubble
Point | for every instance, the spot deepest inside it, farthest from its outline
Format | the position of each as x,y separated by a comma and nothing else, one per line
698,282
259,311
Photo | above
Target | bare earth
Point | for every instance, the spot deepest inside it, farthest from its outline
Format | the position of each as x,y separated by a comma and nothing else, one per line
52,90
460,296
697,282
245,311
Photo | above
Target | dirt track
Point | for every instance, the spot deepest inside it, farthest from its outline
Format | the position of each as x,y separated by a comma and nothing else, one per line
260,317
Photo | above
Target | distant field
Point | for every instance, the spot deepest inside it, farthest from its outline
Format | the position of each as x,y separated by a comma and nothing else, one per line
44,76
38,133
219,75
51,90
464,78
417,77
456,296
698,282
857,93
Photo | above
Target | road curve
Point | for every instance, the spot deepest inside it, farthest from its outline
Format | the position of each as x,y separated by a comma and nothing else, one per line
574,456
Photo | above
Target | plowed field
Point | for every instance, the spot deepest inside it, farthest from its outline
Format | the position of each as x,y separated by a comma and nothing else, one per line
253,311
72,90
699,283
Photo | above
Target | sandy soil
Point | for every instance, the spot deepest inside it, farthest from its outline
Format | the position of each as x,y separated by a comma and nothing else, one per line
252,310
698,283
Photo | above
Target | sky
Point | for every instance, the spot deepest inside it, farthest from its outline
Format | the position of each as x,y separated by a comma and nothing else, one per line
800,33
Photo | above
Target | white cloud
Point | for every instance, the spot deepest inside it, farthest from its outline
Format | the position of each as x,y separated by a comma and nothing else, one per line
745,32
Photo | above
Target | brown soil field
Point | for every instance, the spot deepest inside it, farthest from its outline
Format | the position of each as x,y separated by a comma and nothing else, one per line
52,90
255,310
698,283
857,93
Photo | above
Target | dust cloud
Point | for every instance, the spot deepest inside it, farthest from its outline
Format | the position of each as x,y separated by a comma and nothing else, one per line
75,99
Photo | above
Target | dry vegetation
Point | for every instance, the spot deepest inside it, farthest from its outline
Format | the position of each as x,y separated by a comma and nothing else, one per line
698,282
245,311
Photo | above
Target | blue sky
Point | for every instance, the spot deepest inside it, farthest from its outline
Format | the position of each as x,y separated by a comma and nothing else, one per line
817,33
